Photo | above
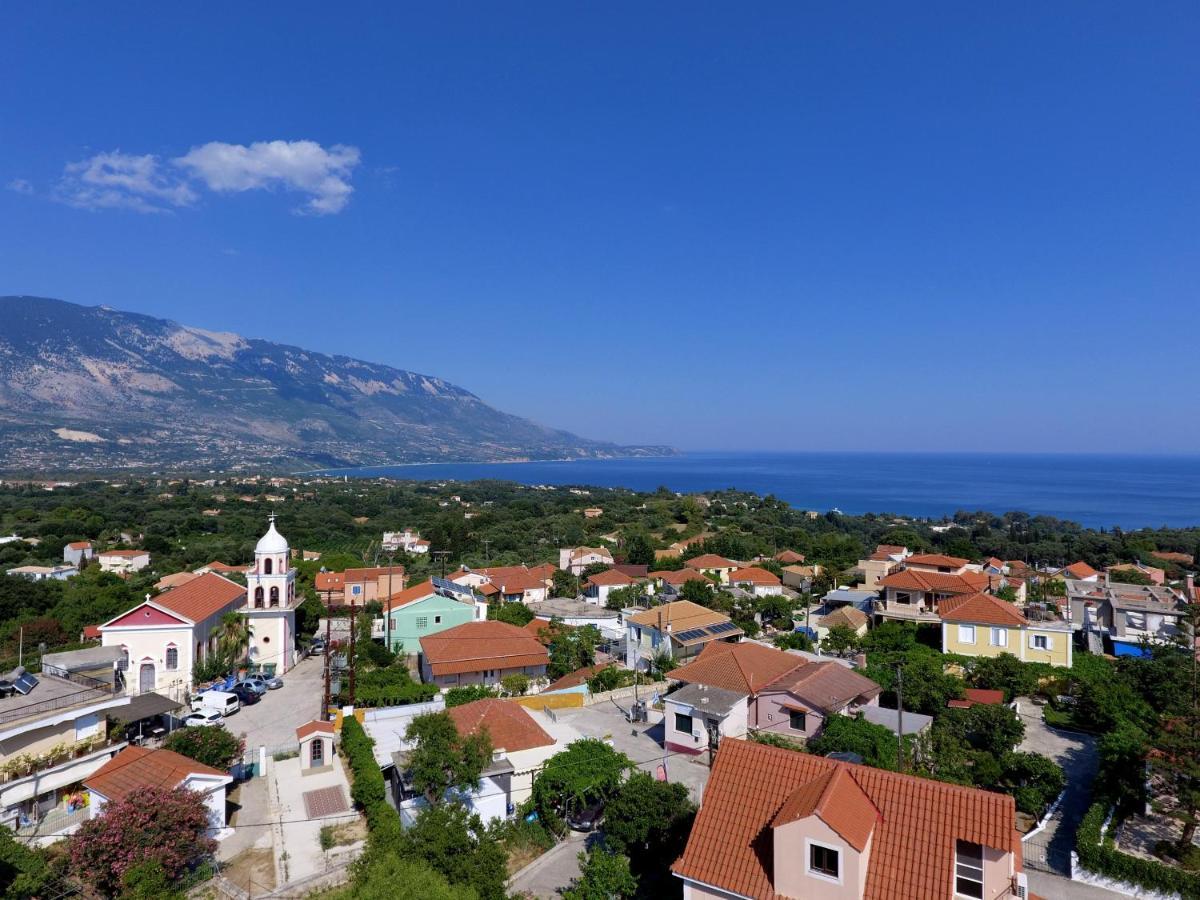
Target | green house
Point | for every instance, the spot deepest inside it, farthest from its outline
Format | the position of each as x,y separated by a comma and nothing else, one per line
421,611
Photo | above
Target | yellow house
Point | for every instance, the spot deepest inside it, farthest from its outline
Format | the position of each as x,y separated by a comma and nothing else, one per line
984,625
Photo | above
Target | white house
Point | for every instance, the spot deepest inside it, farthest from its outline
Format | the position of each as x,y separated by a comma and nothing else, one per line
759,582
163,638
576,559
123,561
44,573
407,540
77,551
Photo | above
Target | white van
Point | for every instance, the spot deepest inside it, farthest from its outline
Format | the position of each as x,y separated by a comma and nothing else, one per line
222,701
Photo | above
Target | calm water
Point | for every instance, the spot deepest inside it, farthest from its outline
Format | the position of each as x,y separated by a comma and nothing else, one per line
1099,491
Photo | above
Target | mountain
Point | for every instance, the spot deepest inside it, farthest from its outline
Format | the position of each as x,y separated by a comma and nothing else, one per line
88,387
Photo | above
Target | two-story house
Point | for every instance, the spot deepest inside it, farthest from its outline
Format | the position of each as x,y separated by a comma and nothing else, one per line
914,594
680,629
756,581
576,559
827,830
984,625
77,552
431,607
885,560
712,564
122,562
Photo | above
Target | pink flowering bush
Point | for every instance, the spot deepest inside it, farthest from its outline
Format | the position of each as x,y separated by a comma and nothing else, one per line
163,826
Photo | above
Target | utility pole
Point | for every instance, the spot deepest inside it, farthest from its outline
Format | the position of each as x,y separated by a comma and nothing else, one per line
443,554
353,634
487,557
328,654
712,742
387,608
900,717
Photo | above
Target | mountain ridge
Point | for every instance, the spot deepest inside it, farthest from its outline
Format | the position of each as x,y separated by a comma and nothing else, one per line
95,388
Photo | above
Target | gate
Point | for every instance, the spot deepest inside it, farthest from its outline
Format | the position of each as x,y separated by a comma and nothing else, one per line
1049,855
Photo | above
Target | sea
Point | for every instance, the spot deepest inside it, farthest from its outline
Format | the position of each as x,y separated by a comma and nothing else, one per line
1099,491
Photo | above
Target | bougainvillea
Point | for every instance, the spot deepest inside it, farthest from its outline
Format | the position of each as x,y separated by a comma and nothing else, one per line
166,826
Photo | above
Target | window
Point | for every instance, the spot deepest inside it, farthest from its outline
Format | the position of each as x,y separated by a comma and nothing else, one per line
823,861
966,634
422,621
683,723
968,869
999,637
267,566
437,620
318,752
274,596
796,720
123,662
172,657
1041,642
258,597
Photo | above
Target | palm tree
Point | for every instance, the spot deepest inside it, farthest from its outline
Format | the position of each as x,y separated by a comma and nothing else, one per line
233,637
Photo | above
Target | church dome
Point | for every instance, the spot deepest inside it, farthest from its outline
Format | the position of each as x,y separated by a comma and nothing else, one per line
272,541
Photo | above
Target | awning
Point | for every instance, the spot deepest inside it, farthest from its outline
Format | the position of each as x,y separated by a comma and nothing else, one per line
146,706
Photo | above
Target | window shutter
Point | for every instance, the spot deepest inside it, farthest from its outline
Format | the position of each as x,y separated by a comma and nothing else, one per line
1049,642
1032,643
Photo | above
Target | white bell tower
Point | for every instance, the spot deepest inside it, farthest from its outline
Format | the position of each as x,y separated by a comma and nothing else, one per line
271,603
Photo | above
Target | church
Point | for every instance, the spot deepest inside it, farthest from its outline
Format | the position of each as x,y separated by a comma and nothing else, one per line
163,637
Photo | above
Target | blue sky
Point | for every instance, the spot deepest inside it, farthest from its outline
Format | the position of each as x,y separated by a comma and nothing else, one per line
787,226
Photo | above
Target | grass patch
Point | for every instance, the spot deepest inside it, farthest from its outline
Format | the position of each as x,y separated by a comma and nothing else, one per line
342,834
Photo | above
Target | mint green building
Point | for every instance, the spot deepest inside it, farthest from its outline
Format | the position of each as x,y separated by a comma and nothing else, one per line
423,610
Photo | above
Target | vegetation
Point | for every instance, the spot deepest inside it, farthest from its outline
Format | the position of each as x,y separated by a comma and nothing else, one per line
587,771
376,878
649,821
603,875
23,870
215,747
456,844
443,760
391,686
572,649
468,693
166,827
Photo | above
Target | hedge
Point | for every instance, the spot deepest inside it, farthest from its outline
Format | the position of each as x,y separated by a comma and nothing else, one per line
1099,855
369,790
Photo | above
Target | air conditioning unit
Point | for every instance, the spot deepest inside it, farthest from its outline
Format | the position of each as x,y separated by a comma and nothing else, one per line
1020,886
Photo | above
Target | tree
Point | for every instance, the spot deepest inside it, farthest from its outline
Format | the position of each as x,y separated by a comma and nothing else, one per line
444,760
515,685
468,693
454,842
1129,576
153,825
233,636
793,640
603,875
776,610
840,640
1007,593
587,771
1177,760
1032,779
927,687
638,550
697,590
23,870
854,734
992,728
622,597
565,584
1003,673
643,813
214,747
148,881
377,877
513,613
572,649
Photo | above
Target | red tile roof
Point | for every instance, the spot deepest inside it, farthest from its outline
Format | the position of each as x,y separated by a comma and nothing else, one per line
610,578
136,768
936,559
982,695
203,596
330,581
508,724
475,646
314,727
412,594
1080,570
912,851
680,577
80,545
743,667
788,557
754,575
826,686
937,582
91,632
711,561
836,799
362,576
983,609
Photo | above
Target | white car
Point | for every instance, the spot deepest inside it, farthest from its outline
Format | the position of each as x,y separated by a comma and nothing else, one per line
204,718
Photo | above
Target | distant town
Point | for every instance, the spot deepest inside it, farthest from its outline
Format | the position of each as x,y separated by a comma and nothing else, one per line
286,686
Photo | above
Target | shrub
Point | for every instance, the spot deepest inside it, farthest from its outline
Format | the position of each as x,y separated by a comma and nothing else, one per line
387,687
1103,857
468,693
368,789
214,747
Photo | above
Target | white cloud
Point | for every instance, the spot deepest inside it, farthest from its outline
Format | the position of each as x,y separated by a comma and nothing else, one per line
20,186
303,166
119,180
146,184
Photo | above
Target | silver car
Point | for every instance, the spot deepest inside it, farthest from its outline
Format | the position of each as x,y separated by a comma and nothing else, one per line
205,718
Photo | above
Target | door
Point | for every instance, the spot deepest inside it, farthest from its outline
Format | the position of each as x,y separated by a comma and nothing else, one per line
146,678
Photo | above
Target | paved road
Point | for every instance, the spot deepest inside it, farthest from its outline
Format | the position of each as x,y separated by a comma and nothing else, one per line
1076,753
272,722
1056,887
551,872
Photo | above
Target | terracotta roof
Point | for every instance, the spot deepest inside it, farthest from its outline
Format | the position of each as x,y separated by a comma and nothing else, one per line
711,561
982,695
509,725
848,616
984,609
788,557
610,577
174,580
518,582
836,799
632,570
203,596
681,615
937,582
474,646
218,566
826,686
576,678
1170,556
754,575
912,850
580,552
887,551
330,581
744,667
936,559
1080,570
91,632
680,577
80,545
412,594
314,727
357,576
544,632
136,768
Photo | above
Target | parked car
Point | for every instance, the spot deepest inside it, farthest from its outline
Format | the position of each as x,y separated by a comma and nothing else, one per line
317,647
224,702
253,682
266,682
247,695
205,718
588,818
274,682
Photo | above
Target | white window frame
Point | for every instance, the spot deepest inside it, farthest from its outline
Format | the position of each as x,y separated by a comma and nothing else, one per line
422,622
809,843
1040,642
167,658
971,866
966,634
999,637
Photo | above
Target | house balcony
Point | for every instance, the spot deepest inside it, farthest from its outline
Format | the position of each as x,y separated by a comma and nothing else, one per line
58,822
906,612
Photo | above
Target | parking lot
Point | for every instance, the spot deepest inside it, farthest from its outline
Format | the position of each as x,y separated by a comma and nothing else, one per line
272,722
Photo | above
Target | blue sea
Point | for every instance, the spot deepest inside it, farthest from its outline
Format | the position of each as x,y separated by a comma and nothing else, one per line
1097,491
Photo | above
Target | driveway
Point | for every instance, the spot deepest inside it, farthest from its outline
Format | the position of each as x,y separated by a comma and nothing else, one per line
272,722
553,871
1076,753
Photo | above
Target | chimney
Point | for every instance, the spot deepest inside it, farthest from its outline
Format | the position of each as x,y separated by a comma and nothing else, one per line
860,660
1190,582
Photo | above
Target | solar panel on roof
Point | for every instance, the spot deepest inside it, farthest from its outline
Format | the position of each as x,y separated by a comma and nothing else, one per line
722,628
691,635
25,683
444,584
